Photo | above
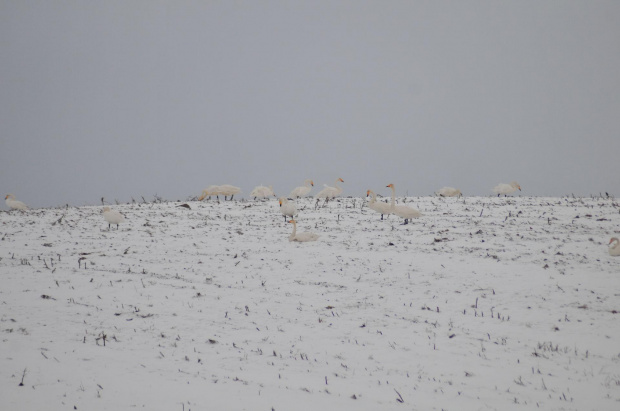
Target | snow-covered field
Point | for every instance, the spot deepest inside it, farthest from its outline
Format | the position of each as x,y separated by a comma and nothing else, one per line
483,303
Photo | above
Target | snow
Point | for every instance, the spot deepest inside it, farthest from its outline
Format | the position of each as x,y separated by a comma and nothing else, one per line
484,303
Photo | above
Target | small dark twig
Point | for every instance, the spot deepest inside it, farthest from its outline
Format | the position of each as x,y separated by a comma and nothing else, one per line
21,384
59,221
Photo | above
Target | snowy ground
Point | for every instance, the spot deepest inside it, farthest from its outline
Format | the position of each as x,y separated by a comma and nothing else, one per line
484,303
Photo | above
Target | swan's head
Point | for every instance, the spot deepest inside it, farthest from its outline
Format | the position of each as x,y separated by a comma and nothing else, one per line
341,180
105,209
204,195
613,239
312,183
281,200
390,185
458,192
516,185
367,193
11,196
292,221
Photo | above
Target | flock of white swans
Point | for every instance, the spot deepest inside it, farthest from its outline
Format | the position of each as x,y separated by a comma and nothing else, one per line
289,209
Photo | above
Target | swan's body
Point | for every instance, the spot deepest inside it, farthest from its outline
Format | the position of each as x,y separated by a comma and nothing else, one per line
287,208
262,192
614,247
112,217
301,237
506,188
331,192
209,191
302,191
449,192
14,204
403,211
228,190
379,206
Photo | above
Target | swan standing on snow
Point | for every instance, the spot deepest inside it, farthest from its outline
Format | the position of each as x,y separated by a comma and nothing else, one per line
379,206
287,208
331,192
614,249
262,192
302,191
449,192
225,190
506,188
14,204
301,237
403,211
112,217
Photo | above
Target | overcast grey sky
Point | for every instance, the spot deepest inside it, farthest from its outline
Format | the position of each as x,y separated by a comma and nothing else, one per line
136,98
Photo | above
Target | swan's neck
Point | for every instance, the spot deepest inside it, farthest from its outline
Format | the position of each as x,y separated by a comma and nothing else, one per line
373,196
337,187
614,243
393,205
294,232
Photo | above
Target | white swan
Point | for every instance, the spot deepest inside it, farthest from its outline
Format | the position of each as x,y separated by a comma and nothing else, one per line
287,208
379,206
506,188
449,192
614,249
301,237
209,191
112,217
262,192
228,190
302,191
331,192
225,190
403,211
14,204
